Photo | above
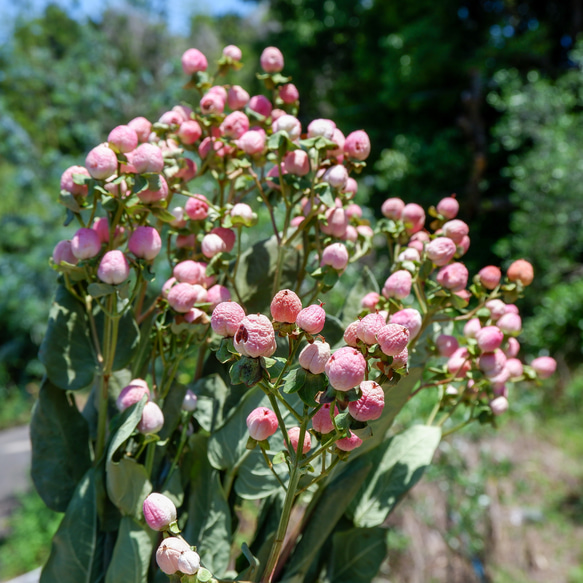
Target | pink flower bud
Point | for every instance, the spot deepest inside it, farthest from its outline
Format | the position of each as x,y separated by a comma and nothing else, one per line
544,366
351,334
393,338
463,246
321,421
159,511
242,214
346,368
262,423
321,128
146,158
101,162
337,222
370,405
441,250
149,196
357,145
368,328
123,139
212,244
297,162
183,296
393,208
414,217
289,93
453,277
132,394
489,338
294,438
285,306
521,271
235,125
456,230
446,345
255,336
336,176
271,60
63,252
510,324
70,186
398,285
492,363
335,255
312,319
314,357
189,562
261,105
499,405
459,363
212,103
193,61
237,97
170,551
233,52
197,207
448,207
227,235
226,318
512,348
101,227
289,124
489,276
189,132
142,127
410,318
189,271
145,243
349,443
85,244
497,308
218,294
152,419
113,268
472,327
409,254
339,139
252,142
370,301
514,368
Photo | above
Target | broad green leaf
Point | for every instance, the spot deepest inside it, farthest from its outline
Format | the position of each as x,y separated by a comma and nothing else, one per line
398,466
98,290
212,393
128,485
352,306
61,452
132,553
74,547
333,331
66,351
357,555
246,371
254,479
294,380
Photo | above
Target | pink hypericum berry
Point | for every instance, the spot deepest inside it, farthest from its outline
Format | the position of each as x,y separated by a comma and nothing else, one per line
510,324
463,246
459,363
453,277
170,551
146,158
514,368
255,336
472,327
152,419
392,208
262,423
339,139
212,244
357,145
490,276
142,127
512,348
271,60
345,368
226,318
312,319
242,214
285,306
489,338
315,356
337,222
132,394
321,421
499,405
217,294
149,196
521,271
233,52
353,210
235,125
196,316
261,105
511,309
351,334
370,405
336,176
64,252
237,97
497,308
123,139
409,254
227,235
414,217
398,285
101,162
321,128
113,268
294,439
441,250
197,207
189,562
544,366
145,243
335,255
185,241
349,443
448,207
183,296
351,189
297,162
101,227
393,338
85,244
410,318
189,132
289,124
368,328
370,301
189,271
212,103
70,186
446,345
183,111
252,142
492,363
159,511
456,230
193,61
289,93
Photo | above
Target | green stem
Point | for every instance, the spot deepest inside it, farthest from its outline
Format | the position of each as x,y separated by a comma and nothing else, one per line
270,466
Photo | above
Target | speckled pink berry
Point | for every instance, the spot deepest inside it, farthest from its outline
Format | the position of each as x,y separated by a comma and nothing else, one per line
321,421
453,277
349,443
69,185
146,158
410,318
351,334
393,338
132,394
490,276
413,216
522,271
271,60
448,207
294,438
512,348
169,552
459,363
145,243
212,244
441,250
456,230
285,306
370,405
510,324
113,268
262,423
226,318
370,301
152,419
217,294
335,255
544,366
63,252
85,244
193,61
182,297
497,308
189,271
398,285
492,363
101,162
357,145
197,207
123,139
392,208
489,338
346,368
446,345
189,132
159,511
499,405
368,328
472,327
312,319
315,356
255,336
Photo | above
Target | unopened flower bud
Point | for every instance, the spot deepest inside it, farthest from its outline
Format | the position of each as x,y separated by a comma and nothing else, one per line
289,124
321,421
368,328
393,338
169,552
492,363
312,319
294,439
193,61
113,268
497,308
159,511
489,338
189,132
271,60
472,327
132,394
453,277
152,419
351,334
314,357
459,364
455,230
441,250
285,306
197,207
233,52
64,252
510,324
262,423
349,443
188,562
346,368
446,345
370,301
410,318
226,318
544,366
190,401
123,139
237,97
142,127
490,276
261,105
398,285
392,208
145,243
212,244
255,336
512,348
370,405
85,244
146,158
335,255
514,368
448,207
336,176
182,297
414,217
357,145
521,271
69,185
297,162
321,128
101,162
235,125
289,93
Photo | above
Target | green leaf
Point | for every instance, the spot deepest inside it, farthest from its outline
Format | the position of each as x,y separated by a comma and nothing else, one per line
246,371
333,331
131,555
314,384
352,307
398,465
212,393
324,192
128,485
98,290
294,380
128,338
74,547
140,183
357,555
61,451
66,351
